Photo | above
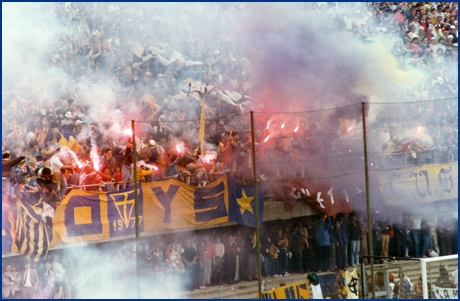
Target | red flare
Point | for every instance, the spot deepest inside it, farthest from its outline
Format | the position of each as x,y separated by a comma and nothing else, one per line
128,132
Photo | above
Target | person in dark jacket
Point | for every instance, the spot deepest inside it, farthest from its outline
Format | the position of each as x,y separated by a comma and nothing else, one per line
338,242
324,242
355,232
345,236
312,245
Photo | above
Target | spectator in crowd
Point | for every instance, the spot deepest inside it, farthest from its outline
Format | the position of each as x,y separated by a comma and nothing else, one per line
354,241
306,247
218,261
231,260
190,257
311,228
323,227
337,243
443,230
8,281
425,237
97,43
298,245
385,237
445,279
29,282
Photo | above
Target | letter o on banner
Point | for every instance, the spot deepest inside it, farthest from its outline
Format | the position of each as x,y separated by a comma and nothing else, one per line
83,217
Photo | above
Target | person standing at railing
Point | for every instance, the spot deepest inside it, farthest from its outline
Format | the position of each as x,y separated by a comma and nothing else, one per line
426,239
385,238
190,257
109,161
443,230
226,147
312,245
126,167
59,181
88,178
109,180
306,250
232,261
298,245
420,148
282,244
218,261
337,242
45,183
323,227
236,148
414,229
211,250
355,233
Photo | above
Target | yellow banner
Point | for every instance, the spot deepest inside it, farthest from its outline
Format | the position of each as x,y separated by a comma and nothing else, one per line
351,284
419,184
81,216
174,205
90,216
291,291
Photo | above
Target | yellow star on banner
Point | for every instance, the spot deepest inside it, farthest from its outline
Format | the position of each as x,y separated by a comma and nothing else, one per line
245,203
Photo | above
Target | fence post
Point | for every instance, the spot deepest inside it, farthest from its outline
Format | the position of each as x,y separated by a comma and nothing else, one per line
424,279
136,209
256,198
368,205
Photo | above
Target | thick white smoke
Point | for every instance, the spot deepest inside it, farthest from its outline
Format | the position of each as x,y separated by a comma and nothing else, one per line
294,59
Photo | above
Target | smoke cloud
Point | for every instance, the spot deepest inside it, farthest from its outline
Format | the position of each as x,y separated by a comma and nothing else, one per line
294,58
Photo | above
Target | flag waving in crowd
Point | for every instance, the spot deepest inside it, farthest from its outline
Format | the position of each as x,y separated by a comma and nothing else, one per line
242,203
32,236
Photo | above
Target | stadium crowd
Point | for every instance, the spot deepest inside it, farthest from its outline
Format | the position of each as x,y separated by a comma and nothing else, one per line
65,148
228,255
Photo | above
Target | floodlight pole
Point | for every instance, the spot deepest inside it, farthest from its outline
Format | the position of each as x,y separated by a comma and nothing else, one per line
368,205
256,198
136,208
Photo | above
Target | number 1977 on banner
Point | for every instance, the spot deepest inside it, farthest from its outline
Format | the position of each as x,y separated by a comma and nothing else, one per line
119,225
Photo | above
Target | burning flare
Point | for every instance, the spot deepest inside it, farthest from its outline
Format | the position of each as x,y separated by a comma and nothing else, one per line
128,132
